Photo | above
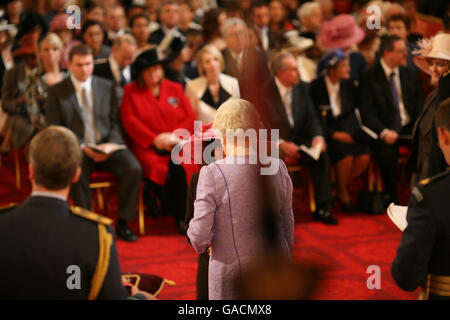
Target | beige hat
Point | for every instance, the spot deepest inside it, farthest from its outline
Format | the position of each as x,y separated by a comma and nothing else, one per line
437,47
295,42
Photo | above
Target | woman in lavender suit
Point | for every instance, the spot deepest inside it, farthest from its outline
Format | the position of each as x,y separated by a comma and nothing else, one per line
229,204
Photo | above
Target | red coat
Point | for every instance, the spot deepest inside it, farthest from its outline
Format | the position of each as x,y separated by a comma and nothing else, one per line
144,117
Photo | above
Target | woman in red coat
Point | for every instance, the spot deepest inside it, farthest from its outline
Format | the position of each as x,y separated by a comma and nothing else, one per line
152,108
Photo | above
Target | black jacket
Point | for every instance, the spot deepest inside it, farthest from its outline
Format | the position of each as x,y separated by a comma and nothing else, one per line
63,109
375,99
40,240
307,124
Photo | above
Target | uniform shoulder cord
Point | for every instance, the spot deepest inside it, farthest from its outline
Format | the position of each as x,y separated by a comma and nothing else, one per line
105,242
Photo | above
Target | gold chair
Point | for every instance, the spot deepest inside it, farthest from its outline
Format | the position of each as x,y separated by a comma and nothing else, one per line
101,180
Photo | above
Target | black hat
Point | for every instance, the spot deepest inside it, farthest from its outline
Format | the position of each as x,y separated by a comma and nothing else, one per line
169,48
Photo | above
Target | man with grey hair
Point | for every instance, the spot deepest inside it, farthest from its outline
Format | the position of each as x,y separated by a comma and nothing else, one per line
287,106
310,16
234,31
49,249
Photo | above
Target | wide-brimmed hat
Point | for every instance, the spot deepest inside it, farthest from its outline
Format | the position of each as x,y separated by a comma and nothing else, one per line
27,46
170,47
341,32
295,42
437,47
330,60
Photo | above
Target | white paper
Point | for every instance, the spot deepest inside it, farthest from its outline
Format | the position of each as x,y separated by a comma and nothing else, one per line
110,148
313,152
369,132
398,215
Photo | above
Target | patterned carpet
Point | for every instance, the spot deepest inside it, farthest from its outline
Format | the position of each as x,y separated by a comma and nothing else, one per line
343,252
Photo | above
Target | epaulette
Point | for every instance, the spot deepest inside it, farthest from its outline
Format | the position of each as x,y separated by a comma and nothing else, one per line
446,73
423,184
81,212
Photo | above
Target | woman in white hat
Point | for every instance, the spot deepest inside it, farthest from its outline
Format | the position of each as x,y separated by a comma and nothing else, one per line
433,59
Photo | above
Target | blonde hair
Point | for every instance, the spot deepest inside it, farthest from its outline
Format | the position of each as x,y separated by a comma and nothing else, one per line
53,39
236,114
124,38
212,50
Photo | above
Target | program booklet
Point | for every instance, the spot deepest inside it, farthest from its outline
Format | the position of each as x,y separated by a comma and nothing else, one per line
107,148
313,152
398,215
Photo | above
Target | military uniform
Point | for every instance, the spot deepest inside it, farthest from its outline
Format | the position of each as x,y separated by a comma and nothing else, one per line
40,241
423,256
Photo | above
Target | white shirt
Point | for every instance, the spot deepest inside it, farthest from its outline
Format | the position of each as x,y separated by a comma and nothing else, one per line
264,36
334,96
404,116
47,194
115,69
286,97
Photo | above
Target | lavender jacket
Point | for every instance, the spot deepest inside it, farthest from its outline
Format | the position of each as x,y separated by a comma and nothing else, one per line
227,214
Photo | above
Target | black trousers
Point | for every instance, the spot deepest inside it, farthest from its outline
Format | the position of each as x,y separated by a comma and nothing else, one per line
320,175
124,166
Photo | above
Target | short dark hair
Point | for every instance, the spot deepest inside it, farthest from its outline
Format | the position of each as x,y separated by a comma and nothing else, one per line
442,115
400,17
387,43
80,49
258,4
137,16
55,155
89,23
168,2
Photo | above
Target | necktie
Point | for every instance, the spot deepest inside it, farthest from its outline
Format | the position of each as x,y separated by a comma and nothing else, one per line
88,118
123,80
288,106
394,91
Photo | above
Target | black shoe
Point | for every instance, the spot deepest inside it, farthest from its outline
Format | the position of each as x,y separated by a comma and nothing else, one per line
124,233
347,207
325,217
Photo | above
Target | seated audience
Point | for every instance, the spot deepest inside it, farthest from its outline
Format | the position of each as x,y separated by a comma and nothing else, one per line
186,17
115,24
57,241
95,11
297,46
260,18
434,60
92,34
342,33
140,29
15,97
59,26
370,44
152,108
390,99
278,21
117,67
310,16
169,18
287,106
213,88
224,188
211,28
7,32
87,105
347,144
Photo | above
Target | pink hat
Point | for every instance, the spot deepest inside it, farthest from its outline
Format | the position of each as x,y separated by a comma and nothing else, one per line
59,22
341,32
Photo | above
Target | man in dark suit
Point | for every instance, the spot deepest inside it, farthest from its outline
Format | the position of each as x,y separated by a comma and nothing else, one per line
390,99
289,108
115,23
117,67
169,17
87,105
260,18
423,256
50,250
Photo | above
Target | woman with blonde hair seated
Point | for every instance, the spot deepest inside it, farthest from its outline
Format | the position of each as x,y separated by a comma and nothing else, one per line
213,87
230,211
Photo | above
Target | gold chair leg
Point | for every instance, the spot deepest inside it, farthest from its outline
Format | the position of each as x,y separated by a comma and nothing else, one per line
17,167
141,209
100,199
312,201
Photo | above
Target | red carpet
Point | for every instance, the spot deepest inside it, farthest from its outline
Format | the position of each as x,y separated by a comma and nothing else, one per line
344,251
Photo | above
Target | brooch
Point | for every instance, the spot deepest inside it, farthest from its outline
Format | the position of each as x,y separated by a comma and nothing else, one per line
173,101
